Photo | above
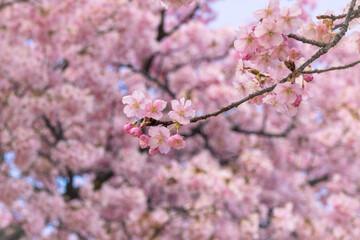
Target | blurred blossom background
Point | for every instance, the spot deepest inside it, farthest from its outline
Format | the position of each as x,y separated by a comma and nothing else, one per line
236,12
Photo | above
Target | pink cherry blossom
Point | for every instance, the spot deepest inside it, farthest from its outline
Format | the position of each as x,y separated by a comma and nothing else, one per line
154,109
271,100
294,54
135,104
246,40
287,92
158,137
182,111
355,41
271,11
263,61
254,172
269,33
291,19
153,151
144,141
176,141
128,127
135,132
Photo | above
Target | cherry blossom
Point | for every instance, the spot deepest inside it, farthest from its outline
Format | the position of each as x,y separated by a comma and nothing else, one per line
182,111
287,92
176,141
154,109
260,140
269,33
291,19
158,139
271,11
135,104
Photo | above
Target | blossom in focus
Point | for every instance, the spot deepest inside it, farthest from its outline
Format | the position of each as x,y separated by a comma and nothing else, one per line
182,111
135,104
290,17
269,33
144,141
176,141
154,109
158,137
246,40
271,11
287,92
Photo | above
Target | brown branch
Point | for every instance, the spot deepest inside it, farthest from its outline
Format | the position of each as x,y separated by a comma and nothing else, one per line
318,180
147,75
264,133
332,68
336,17
317,55
356,14
7,4
305,40
161,30
163,34
57,131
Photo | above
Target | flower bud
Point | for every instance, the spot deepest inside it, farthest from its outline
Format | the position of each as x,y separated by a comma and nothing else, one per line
153,151
135,132
297,101
128,127
308,77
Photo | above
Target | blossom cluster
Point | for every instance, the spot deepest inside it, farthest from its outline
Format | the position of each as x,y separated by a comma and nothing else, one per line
159,139
266,56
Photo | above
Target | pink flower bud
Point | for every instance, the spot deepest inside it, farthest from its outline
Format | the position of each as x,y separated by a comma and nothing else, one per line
135,132
176,141
144,141
308,77
153,151
297,101
128,127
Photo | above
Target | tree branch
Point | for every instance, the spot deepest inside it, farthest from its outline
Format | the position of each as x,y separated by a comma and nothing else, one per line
336,17
6,4
305,40
147,75
318,54
161,31
57,131
263,133
315,181
332,68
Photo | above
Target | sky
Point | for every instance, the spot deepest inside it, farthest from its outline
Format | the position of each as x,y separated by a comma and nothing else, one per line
238,12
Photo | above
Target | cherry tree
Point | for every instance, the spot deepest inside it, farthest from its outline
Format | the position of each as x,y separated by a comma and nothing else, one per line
134,119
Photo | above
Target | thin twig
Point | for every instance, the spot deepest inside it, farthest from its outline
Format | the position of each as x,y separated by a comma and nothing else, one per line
147,75
336,17
305,40
264,133
332,68
163,34
7,4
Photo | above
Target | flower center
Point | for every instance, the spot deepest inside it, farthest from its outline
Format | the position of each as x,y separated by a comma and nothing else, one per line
136,104
181,113
270,33
153,109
